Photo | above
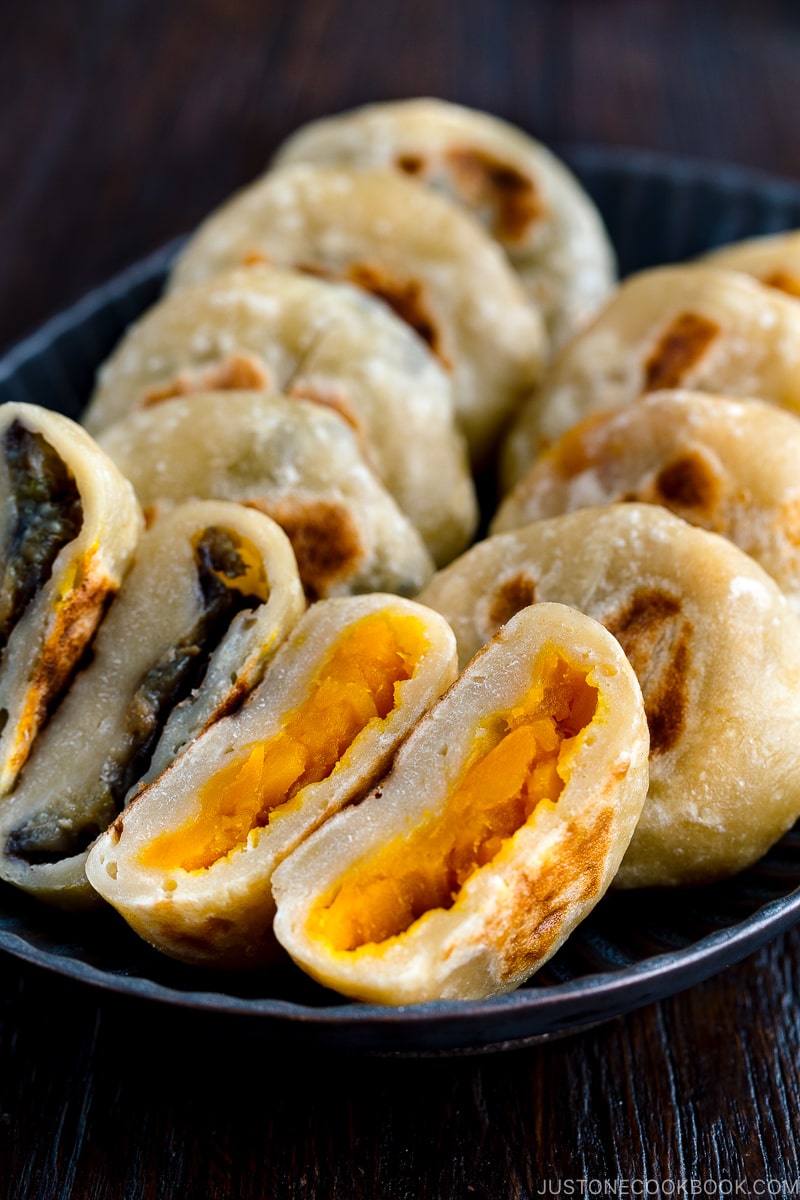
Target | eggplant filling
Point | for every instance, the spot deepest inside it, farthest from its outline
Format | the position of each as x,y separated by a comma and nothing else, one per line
231,579
46,514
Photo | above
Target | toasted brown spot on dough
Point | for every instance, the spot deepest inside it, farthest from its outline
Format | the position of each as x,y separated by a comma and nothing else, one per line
513,594
784,281
254,258
689,481
411,164
574,451
237,372
327,396
76,621
656,638
324,537
681,346
574,875
486,181
406,297
789,520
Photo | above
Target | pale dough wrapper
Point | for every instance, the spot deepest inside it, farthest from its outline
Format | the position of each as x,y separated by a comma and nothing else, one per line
292,459
524,195
729,466
189,863
262,327
500,826
693,326
428,259
69,524
213,591
773,259
716,647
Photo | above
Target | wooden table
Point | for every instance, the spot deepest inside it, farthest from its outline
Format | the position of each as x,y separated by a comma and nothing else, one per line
124,123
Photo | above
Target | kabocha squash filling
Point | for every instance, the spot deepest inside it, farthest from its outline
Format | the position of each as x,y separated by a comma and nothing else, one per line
521,761
46,514
357,684
231,578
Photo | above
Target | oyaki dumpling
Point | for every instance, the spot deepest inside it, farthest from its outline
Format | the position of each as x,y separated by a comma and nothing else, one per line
292,459
418,252
213,591
715,645
265,328
691,326
69,524
729,466
773,259
500,826
523,194
189,863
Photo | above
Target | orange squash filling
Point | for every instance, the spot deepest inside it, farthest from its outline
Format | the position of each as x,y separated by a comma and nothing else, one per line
520,762
357,684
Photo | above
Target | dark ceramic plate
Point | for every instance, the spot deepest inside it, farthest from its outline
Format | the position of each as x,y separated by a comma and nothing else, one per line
634,948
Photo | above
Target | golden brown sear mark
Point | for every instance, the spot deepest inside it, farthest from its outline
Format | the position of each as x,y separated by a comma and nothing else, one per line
237,372
571,877
410,164
656,638
689,482
681,346
74,625
574,452
513,594
788,520
405,296
335,400
327,396
324,537
254,258
488,182
784,281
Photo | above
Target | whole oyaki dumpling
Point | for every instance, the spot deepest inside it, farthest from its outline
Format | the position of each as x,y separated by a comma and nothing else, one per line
715,645
292,459
422,255
283,332
726,465
696,326
521,192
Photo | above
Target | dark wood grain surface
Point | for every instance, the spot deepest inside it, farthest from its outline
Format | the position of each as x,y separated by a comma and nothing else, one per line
121,124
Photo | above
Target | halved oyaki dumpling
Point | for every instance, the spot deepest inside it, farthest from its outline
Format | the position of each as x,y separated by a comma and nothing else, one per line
292,459
430,261
524,195
772,259
283,332
213,591
715,645
693,326
69,523
500,826
729,466
189,863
